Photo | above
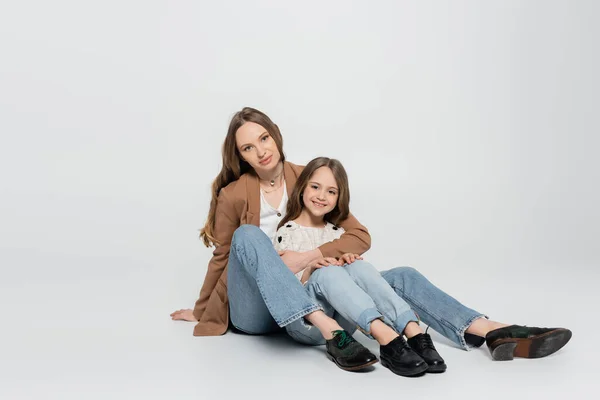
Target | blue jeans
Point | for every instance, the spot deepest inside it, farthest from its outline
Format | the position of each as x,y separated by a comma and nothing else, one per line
437,309
359,294
263,293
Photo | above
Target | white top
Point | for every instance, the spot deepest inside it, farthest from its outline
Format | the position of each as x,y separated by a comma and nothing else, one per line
294,237
270,217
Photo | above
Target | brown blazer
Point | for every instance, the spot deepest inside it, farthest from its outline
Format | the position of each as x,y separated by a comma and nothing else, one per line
239,204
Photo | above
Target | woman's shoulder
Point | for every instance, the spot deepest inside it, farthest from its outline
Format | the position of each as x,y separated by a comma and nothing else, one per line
237,188
235,194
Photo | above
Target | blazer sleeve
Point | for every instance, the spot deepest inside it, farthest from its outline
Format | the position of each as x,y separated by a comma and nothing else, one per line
227,221
356,240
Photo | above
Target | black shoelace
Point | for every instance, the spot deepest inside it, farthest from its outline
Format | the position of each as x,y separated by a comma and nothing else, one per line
426,342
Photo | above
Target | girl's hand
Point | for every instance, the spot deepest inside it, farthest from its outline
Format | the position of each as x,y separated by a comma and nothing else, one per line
349,258
324,262
183,315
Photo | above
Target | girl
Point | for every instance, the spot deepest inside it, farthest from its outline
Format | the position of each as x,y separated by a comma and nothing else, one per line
349,286
250,287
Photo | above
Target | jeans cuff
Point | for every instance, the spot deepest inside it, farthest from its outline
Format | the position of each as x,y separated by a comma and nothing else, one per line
365,319
298,315
403,319
461,331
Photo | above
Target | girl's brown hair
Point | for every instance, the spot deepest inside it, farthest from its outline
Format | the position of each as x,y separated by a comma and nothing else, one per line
341,209
233,165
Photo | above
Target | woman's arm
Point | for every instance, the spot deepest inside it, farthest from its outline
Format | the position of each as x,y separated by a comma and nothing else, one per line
355,240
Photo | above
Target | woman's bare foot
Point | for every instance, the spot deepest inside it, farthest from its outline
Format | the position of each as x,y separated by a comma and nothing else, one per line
183,315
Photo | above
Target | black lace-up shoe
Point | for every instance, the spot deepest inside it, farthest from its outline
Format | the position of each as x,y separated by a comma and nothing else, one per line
423,346
522,341
401,359
347,353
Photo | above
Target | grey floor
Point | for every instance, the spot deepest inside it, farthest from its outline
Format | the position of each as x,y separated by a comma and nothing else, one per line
69,333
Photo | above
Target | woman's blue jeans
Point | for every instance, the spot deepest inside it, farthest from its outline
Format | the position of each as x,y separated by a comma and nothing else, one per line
263,293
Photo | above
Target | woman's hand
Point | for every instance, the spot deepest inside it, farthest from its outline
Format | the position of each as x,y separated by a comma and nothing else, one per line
183,315
349,258
297,261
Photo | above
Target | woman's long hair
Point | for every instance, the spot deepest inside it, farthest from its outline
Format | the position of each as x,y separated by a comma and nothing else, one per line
341,209
233,165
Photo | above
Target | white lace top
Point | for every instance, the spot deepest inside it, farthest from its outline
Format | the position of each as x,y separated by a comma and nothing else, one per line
294,237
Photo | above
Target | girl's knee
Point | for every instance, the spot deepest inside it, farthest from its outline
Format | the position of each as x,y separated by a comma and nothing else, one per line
361,268
327,275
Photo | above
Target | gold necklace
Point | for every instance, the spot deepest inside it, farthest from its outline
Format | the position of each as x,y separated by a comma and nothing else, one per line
272,184
272,181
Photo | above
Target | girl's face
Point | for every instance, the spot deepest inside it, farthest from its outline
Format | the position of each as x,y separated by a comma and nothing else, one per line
257,147
321,193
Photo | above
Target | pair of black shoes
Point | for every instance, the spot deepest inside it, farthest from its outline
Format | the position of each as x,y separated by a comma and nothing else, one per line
407,359
412,358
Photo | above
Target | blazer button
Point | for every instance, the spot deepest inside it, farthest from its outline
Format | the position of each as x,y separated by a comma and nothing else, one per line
279,214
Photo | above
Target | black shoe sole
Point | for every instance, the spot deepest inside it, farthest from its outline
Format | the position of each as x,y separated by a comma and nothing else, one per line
436,369
354,368
411,372
535,347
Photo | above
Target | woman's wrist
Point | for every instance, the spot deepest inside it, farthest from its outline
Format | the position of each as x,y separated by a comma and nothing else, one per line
312,255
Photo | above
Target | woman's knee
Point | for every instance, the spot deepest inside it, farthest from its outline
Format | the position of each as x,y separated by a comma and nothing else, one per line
402,273
245,232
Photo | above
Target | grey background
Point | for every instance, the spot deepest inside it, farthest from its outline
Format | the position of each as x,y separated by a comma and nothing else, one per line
469,130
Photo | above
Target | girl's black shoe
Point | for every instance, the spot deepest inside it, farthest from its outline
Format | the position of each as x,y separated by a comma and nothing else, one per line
347,353
401,359
423,346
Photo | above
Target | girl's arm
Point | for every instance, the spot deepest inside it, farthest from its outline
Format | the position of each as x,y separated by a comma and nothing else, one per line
355,240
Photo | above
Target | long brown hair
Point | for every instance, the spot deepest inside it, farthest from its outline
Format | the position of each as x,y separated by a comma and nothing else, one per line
341,209
233,165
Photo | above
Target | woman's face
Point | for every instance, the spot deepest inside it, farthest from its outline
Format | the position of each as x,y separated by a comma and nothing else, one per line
321,193
257,147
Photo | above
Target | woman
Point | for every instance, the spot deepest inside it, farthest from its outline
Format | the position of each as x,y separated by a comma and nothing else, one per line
256,295
248,284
